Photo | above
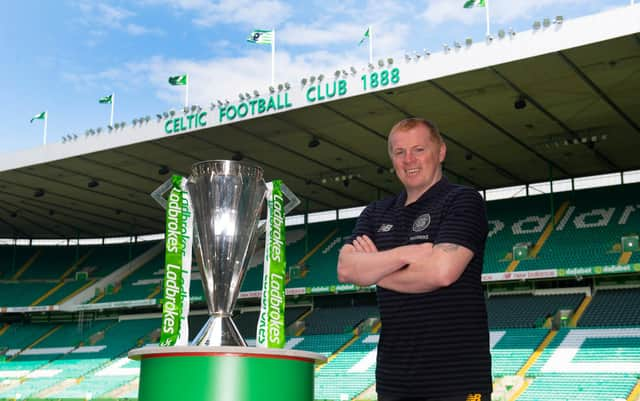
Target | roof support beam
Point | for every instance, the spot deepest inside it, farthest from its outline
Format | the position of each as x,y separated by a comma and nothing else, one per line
498,127
600,92
552,117
299,154
285,172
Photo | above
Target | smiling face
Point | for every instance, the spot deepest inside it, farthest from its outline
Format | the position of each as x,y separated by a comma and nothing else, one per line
416,156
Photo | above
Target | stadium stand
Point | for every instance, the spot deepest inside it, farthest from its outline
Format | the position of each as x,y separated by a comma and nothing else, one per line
526,311
611,308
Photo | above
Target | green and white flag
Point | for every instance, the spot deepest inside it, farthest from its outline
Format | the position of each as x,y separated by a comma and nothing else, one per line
365,36
179,80
39,116
106,99
261,37
474,3
177,265
270,331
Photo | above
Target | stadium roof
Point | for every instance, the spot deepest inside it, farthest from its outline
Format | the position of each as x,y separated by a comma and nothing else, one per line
557,101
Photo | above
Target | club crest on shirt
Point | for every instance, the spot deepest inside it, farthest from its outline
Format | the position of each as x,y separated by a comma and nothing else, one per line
421,222
385,228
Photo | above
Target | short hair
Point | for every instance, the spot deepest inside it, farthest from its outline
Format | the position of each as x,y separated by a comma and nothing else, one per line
412,122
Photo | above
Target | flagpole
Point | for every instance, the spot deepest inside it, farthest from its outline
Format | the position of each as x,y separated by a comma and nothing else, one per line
44,136
186,93
370,45
486,6
113,100
273,58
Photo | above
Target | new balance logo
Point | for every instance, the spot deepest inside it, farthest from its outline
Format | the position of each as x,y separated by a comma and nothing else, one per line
385,228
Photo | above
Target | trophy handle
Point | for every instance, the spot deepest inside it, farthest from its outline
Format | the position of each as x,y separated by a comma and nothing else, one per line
293,202
158,193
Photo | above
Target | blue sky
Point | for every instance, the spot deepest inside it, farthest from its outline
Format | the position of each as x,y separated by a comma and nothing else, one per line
63,55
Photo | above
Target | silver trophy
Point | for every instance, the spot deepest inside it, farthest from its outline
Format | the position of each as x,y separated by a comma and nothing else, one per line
227,199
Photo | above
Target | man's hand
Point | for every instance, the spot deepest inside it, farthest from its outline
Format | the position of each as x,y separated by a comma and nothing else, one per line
363,243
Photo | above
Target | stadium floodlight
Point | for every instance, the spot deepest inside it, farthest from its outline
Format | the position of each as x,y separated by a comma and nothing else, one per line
314,143
353,69
468,42
546,22
381,63
501,33
536,25
256,93
390,61
558,20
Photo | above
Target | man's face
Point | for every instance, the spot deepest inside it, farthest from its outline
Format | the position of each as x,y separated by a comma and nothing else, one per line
416,158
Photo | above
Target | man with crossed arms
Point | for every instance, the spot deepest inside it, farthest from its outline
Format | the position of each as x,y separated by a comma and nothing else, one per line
424,248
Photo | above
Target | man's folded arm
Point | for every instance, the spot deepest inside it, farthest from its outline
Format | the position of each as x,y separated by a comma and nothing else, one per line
367,268
441,268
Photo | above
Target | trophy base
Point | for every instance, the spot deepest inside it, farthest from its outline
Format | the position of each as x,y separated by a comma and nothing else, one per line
219,331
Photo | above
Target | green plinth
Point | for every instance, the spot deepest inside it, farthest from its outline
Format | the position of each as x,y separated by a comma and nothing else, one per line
224,374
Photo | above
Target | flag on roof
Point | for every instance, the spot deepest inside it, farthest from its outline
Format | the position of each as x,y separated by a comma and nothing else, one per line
261,37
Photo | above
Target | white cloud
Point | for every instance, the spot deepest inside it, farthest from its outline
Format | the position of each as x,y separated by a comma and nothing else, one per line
101,17
256,13
296,34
